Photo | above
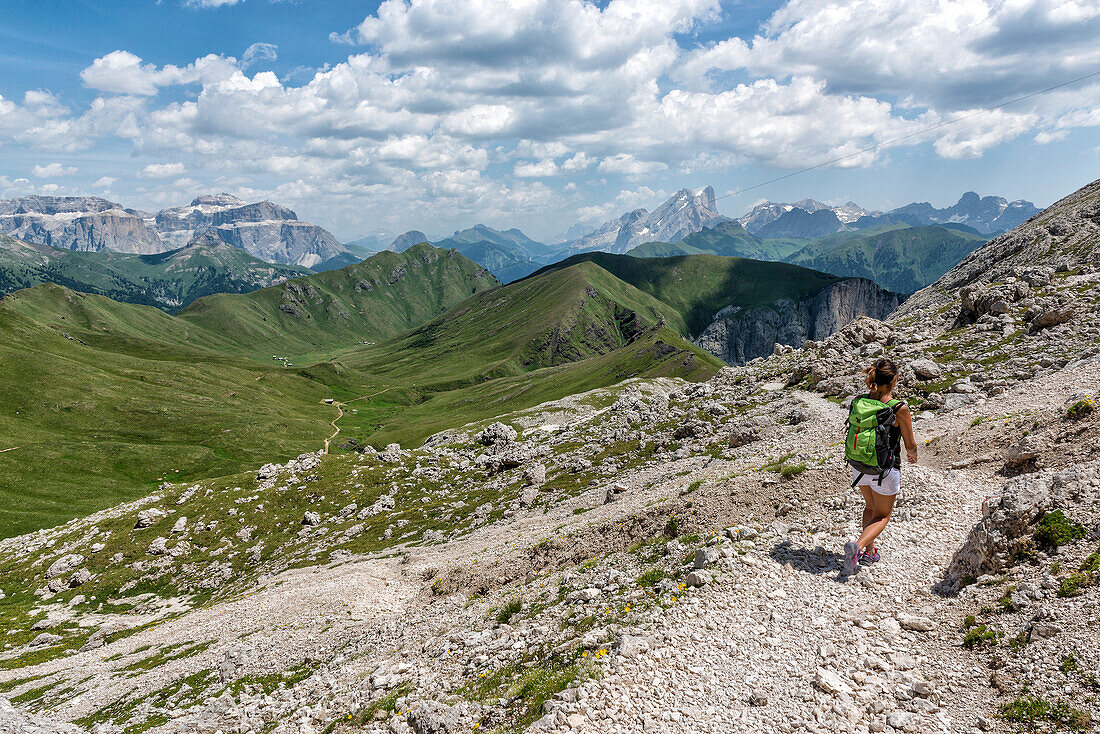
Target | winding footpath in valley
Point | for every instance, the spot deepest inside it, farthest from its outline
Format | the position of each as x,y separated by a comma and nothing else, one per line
340,409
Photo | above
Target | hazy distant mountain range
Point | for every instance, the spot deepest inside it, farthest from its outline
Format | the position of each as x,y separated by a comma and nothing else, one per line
809,218
168,280
220,243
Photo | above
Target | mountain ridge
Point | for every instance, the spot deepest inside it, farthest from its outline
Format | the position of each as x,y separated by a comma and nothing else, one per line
264,229
168,280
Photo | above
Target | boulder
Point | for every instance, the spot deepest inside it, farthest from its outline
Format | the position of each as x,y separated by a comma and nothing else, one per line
497,434
914,623
705,557
148,517
311,518
1027,450
743,434
44,639
432,717
830,682
1052,317
631,646
534,475
65,564
698,578
80,577
1004,530
926,369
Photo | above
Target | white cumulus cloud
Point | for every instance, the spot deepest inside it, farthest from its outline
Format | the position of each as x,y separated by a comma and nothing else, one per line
53,170
163,170
538,169
258,53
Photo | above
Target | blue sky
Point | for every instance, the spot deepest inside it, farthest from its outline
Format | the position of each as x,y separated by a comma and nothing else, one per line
437,114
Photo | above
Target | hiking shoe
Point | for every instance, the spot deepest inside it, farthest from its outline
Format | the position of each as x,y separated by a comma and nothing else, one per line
869,556
850,564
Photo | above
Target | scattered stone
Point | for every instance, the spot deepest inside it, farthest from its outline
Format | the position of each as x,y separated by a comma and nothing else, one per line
64,565
44,639
631,646
148,517
915,623
698,578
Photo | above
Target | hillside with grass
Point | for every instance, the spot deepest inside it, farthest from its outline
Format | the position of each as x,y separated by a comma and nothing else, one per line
902,259
728,239
168,280
696,287
110,399
308,319
553,334
508,254
104,400
898,257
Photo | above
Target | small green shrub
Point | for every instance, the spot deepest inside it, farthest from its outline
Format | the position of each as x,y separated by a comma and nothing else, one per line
1031,711
1005,602
1069,663
651,576
1073,584
1091,564
1080,409
509,610
784,468
981,636
790,471
1055,529
970,621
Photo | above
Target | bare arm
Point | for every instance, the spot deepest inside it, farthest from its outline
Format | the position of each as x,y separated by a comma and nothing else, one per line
905,423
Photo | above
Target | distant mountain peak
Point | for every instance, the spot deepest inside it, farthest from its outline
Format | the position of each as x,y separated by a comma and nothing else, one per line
222,199
406,240
685,212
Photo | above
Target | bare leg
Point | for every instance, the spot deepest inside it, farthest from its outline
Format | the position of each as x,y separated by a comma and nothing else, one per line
868,506
882,506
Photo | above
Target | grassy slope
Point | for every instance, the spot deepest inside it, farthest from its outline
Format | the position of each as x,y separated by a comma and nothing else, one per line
308,319
696,286
551,335
410,413
900,259
728,239
133,397
108,399
167,280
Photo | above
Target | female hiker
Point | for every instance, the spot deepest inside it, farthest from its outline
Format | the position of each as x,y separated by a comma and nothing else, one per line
877,424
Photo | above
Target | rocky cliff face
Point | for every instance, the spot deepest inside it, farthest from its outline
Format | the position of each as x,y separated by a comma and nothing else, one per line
264,229
738,335
86,223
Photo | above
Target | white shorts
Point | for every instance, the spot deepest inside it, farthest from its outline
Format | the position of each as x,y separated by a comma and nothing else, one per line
891,482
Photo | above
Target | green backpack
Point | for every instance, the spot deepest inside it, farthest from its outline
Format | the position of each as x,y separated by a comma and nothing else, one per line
873,444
